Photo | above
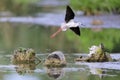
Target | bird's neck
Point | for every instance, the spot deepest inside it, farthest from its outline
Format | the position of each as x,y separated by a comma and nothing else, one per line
64,27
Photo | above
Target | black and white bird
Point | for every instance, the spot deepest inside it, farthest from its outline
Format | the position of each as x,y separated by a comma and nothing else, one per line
69,23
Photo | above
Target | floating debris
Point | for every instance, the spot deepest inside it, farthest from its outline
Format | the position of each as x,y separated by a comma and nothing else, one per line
96,54
55,59
23,55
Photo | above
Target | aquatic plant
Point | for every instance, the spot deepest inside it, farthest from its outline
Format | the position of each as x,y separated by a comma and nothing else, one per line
24,55
96,54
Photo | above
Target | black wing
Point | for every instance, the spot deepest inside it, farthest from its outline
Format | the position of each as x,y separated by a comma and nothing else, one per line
69,14
76,30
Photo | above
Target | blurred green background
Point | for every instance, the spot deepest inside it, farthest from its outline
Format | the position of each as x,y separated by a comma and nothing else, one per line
97,6
14,35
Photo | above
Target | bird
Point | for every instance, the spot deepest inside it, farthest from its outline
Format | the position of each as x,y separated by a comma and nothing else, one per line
69,23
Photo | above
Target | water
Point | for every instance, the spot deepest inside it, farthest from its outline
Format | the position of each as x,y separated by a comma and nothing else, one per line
107,21
73,70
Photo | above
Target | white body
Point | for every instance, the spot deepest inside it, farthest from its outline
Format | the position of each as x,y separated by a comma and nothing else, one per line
92,50
71,23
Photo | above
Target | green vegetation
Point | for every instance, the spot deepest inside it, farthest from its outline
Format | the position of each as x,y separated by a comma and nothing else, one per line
96,6
38,38
88,6
24,1
19,7
109,37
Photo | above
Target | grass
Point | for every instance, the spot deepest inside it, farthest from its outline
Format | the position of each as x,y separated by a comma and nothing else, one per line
19,7
24,1
109,37
96,6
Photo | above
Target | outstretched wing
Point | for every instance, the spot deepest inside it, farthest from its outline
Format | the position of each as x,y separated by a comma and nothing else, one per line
76,30
69,14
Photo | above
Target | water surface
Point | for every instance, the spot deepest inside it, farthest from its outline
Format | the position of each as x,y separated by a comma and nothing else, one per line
73,70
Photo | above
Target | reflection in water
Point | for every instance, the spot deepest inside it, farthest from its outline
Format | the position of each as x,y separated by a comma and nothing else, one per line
73,71
8,34
102,73
13,36
56,73
38,37
98,71
23,68
18,77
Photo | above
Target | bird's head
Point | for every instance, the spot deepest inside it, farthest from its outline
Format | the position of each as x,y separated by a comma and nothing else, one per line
81,24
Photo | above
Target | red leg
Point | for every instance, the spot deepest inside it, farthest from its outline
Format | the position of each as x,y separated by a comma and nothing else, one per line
54,34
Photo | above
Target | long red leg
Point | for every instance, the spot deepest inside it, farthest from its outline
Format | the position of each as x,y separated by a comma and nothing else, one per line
54,34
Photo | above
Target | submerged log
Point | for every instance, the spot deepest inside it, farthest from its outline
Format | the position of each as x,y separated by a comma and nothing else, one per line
55,59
